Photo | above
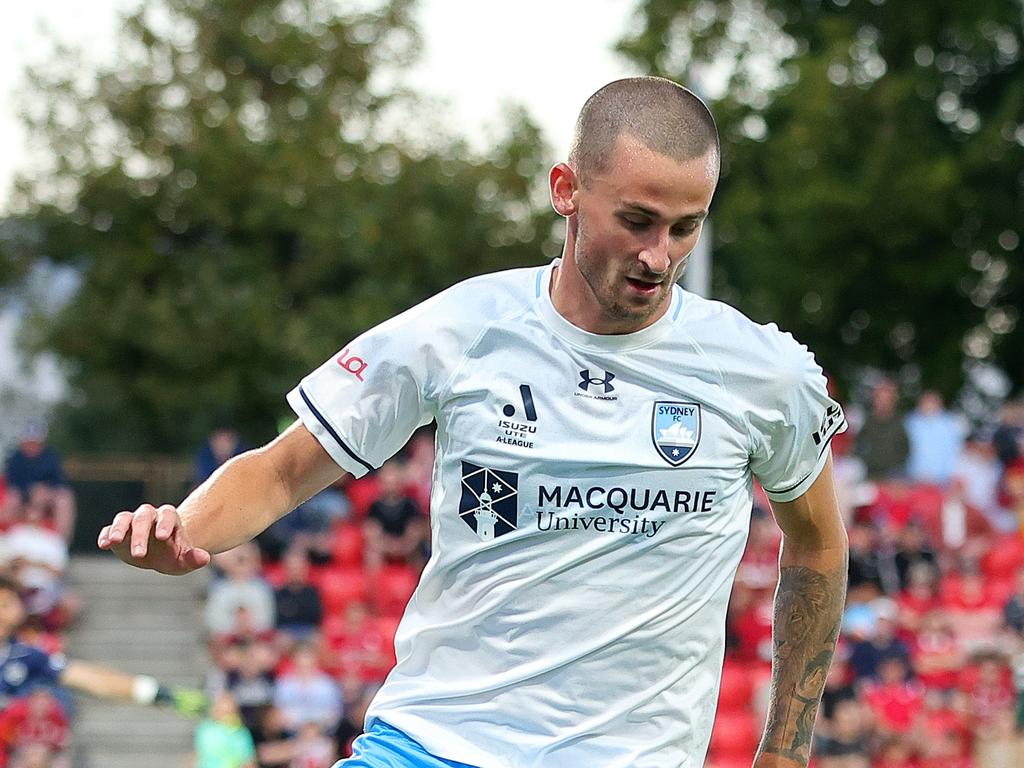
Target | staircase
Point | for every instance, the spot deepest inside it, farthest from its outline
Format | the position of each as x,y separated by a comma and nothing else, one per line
138,622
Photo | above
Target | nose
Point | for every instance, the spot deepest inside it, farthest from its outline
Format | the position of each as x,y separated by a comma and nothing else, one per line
656,256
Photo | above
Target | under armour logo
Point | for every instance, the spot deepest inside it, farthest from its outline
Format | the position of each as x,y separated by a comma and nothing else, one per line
587,381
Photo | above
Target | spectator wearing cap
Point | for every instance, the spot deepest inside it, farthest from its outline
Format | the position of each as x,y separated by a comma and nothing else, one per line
935,438
35,476
867,653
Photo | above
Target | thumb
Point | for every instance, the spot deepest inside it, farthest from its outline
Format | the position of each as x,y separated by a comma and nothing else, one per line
195,558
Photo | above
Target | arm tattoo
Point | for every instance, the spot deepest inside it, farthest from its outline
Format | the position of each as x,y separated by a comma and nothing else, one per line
808,611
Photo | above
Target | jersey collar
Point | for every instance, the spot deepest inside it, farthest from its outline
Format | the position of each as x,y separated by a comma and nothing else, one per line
620,342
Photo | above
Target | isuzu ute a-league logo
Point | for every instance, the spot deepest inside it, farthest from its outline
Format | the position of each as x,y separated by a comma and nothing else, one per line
489,503
675,429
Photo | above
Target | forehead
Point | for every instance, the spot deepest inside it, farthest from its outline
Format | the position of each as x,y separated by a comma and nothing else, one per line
637,173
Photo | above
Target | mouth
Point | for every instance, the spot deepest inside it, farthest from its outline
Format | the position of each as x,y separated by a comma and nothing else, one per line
643,287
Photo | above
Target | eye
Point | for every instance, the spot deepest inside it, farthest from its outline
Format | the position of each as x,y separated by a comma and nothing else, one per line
683,230
635,222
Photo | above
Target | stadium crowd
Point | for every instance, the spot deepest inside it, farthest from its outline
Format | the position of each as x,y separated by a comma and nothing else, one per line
37,513
929,671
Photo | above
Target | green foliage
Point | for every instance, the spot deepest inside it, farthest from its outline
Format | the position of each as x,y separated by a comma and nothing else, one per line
236,214
871,200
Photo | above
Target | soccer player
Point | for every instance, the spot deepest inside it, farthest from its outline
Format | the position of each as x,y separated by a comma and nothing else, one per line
598,432
24,669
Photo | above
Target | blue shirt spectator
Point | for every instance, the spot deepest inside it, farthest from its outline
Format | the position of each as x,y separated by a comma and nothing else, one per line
936,440
223,444
33,462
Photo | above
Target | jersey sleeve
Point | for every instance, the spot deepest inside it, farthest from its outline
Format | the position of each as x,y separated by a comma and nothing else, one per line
365,402
793,423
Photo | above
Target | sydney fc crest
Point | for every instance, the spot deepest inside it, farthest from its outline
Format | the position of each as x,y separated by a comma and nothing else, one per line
489,503
675,429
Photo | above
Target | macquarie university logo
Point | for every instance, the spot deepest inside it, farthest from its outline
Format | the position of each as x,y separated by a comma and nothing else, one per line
489,503
675,429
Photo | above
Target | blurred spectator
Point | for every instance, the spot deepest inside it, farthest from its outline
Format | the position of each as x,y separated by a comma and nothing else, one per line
935,437
866,654
894,751
894,699
241,588
882,440
1013,491
313,749
1013,610
972,608
38,556
222,444
355,714
360,647
941,715
34,474
936,653
394,528
912,548
759,567
35,720
989,691
419,469
222,741
297,601
249,678
920,596
865,564
976,480
1008,437
306,694
845,743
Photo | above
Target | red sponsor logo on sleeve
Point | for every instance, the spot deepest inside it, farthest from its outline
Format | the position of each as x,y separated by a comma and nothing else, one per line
351,363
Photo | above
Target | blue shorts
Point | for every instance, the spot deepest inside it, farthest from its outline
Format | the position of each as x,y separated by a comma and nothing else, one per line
385,747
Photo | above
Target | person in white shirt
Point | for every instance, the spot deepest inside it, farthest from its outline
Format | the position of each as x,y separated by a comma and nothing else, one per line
598,433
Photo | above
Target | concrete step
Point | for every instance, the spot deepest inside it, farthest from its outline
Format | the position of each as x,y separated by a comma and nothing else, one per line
141,623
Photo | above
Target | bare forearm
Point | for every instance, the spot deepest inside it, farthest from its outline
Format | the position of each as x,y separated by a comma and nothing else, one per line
808,611
238,501
98,681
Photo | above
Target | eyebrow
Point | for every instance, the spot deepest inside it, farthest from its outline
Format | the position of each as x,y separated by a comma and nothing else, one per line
641,208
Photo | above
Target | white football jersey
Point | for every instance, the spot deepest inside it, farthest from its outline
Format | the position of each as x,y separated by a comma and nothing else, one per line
591,499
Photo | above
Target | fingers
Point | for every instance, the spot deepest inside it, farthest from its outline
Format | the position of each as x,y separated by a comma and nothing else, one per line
134,528
166,521
114,534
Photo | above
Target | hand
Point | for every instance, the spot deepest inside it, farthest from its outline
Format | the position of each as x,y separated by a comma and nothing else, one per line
153,538
188,702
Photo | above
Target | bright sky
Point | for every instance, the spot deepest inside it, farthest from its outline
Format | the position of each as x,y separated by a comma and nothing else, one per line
545,54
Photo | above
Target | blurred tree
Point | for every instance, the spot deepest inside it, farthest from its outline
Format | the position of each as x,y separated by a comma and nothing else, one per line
871,197
236,216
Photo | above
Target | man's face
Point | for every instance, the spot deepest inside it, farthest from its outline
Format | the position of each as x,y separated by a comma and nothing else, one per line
636,223
12,613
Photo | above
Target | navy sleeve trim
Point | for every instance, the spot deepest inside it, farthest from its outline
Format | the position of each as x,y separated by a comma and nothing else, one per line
331,430
824,445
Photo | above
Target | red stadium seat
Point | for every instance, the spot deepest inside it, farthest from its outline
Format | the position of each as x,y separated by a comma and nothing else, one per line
339,586
361,494
735,735
1004,558
388,625
736,687
347,547
391,589
273,573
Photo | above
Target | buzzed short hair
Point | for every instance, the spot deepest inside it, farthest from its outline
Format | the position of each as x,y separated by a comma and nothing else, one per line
663,115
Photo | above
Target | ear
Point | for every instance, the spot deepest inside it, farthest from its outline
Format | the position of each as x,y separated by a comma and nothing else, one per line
564,184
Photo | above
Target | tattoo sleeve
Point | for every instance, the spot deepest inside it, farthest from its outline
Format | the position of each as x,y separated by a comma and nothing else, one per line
808,612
